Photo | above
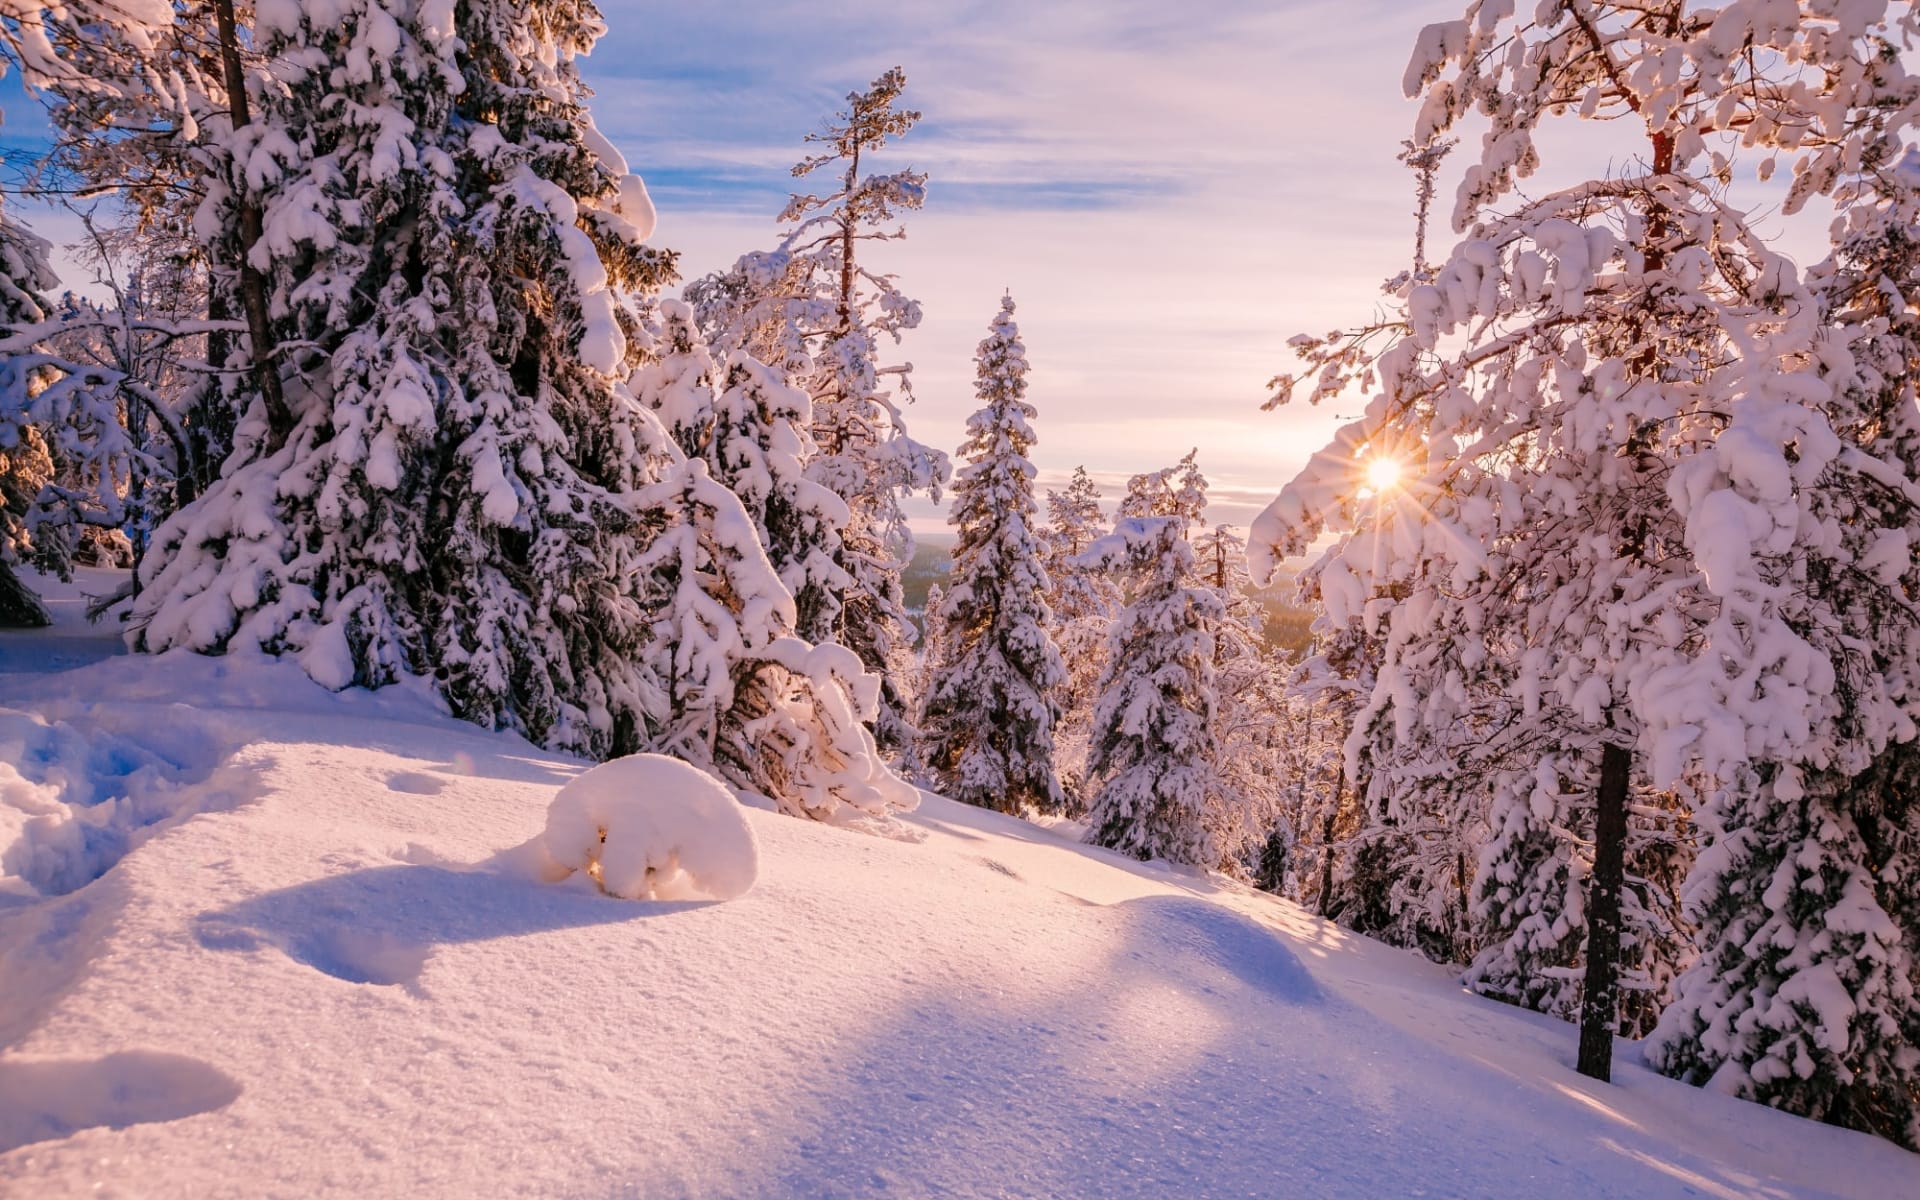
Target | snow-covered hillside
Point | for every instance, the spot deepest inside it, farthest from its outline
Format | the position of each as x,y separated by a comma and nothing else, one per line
255,941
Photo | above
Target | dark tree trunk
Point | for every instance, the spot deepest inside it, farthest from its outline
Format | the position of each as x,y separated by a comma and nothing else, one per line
253,285
19,607
1600,1003
1326,849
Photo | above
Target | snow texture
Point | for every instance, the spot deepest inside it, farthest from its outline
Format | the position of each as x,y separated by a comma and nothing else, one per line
347,987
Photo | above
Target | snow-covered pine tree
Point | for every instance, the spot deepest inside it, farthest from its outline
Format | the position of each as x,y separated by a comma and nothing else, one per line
713,601
1252,692
25,465
1176,491
743,698
816,312
445,234
760,446
30,38
990,707
1155,753
1596,393
1083,604
753,429
1807,898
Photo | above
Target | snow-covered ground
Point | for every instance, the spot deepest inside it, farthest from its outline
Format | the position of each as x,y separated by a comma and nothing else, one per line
255,941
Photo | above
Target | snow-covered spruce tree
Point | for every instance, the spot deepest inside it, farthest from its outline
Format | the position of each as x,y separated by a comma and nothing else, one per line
753,431
1083,604
713,601
1176,491
1155,753
444,234
760,446
25,465
815,312
743,698
1612,402
990,711
1807,898
1252,692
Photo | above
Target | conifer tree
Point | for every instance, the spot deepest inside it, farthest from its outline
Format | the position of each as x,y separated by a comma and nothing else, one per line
1807,898
25,465
1252,692
1083,604
1612,406
990,709
754,432
445,234
1155,753
1176,491
816,312
31,40
742,697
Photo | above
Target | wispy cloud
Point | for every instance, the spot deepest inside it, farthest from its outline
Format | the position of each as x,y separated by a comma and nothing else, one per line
1169,191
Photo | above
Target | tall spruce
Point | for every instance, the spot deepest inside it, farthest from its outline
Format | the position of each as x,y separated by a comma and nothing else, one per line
990,708
1155,753
445,239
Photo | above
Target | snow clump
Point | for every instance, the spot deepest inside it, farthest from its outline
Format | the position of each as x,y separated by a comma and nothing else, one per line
650,827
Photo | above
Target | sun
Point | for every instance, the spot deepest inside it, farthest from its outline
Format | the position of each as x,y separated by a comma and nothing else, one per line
1382,474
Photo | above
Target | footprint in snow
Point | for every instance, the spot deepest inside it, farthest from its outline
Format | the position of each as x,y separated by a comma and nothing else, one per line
43,1101
358,956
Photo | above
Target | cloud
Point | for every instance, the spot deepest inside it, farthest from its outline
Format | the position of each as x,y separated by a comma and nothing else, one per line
1169,192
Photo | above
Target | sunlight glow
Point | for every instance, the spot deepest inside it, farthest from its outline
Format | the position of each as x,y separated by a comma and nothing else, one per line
1382,474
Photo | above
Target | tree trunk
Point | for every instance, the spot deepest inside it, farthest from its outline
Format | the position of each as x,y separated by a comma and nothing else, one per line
1600,1003
19,607
253,285
1326,848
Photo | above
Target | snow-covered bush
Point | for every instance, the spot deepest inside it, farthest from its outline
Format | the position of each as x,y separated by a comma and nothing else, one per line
648,827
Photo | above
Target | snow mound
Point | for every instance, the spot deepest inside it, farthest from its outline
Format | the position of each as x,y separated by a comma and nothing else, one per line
653,828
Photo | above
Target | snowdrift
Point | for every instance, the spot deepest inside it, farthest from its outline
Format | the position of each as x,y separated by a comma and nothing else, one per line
279,952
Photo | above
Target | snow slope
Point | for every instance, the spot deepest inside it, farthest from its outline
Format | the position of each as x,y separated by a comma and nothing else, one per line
301,971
